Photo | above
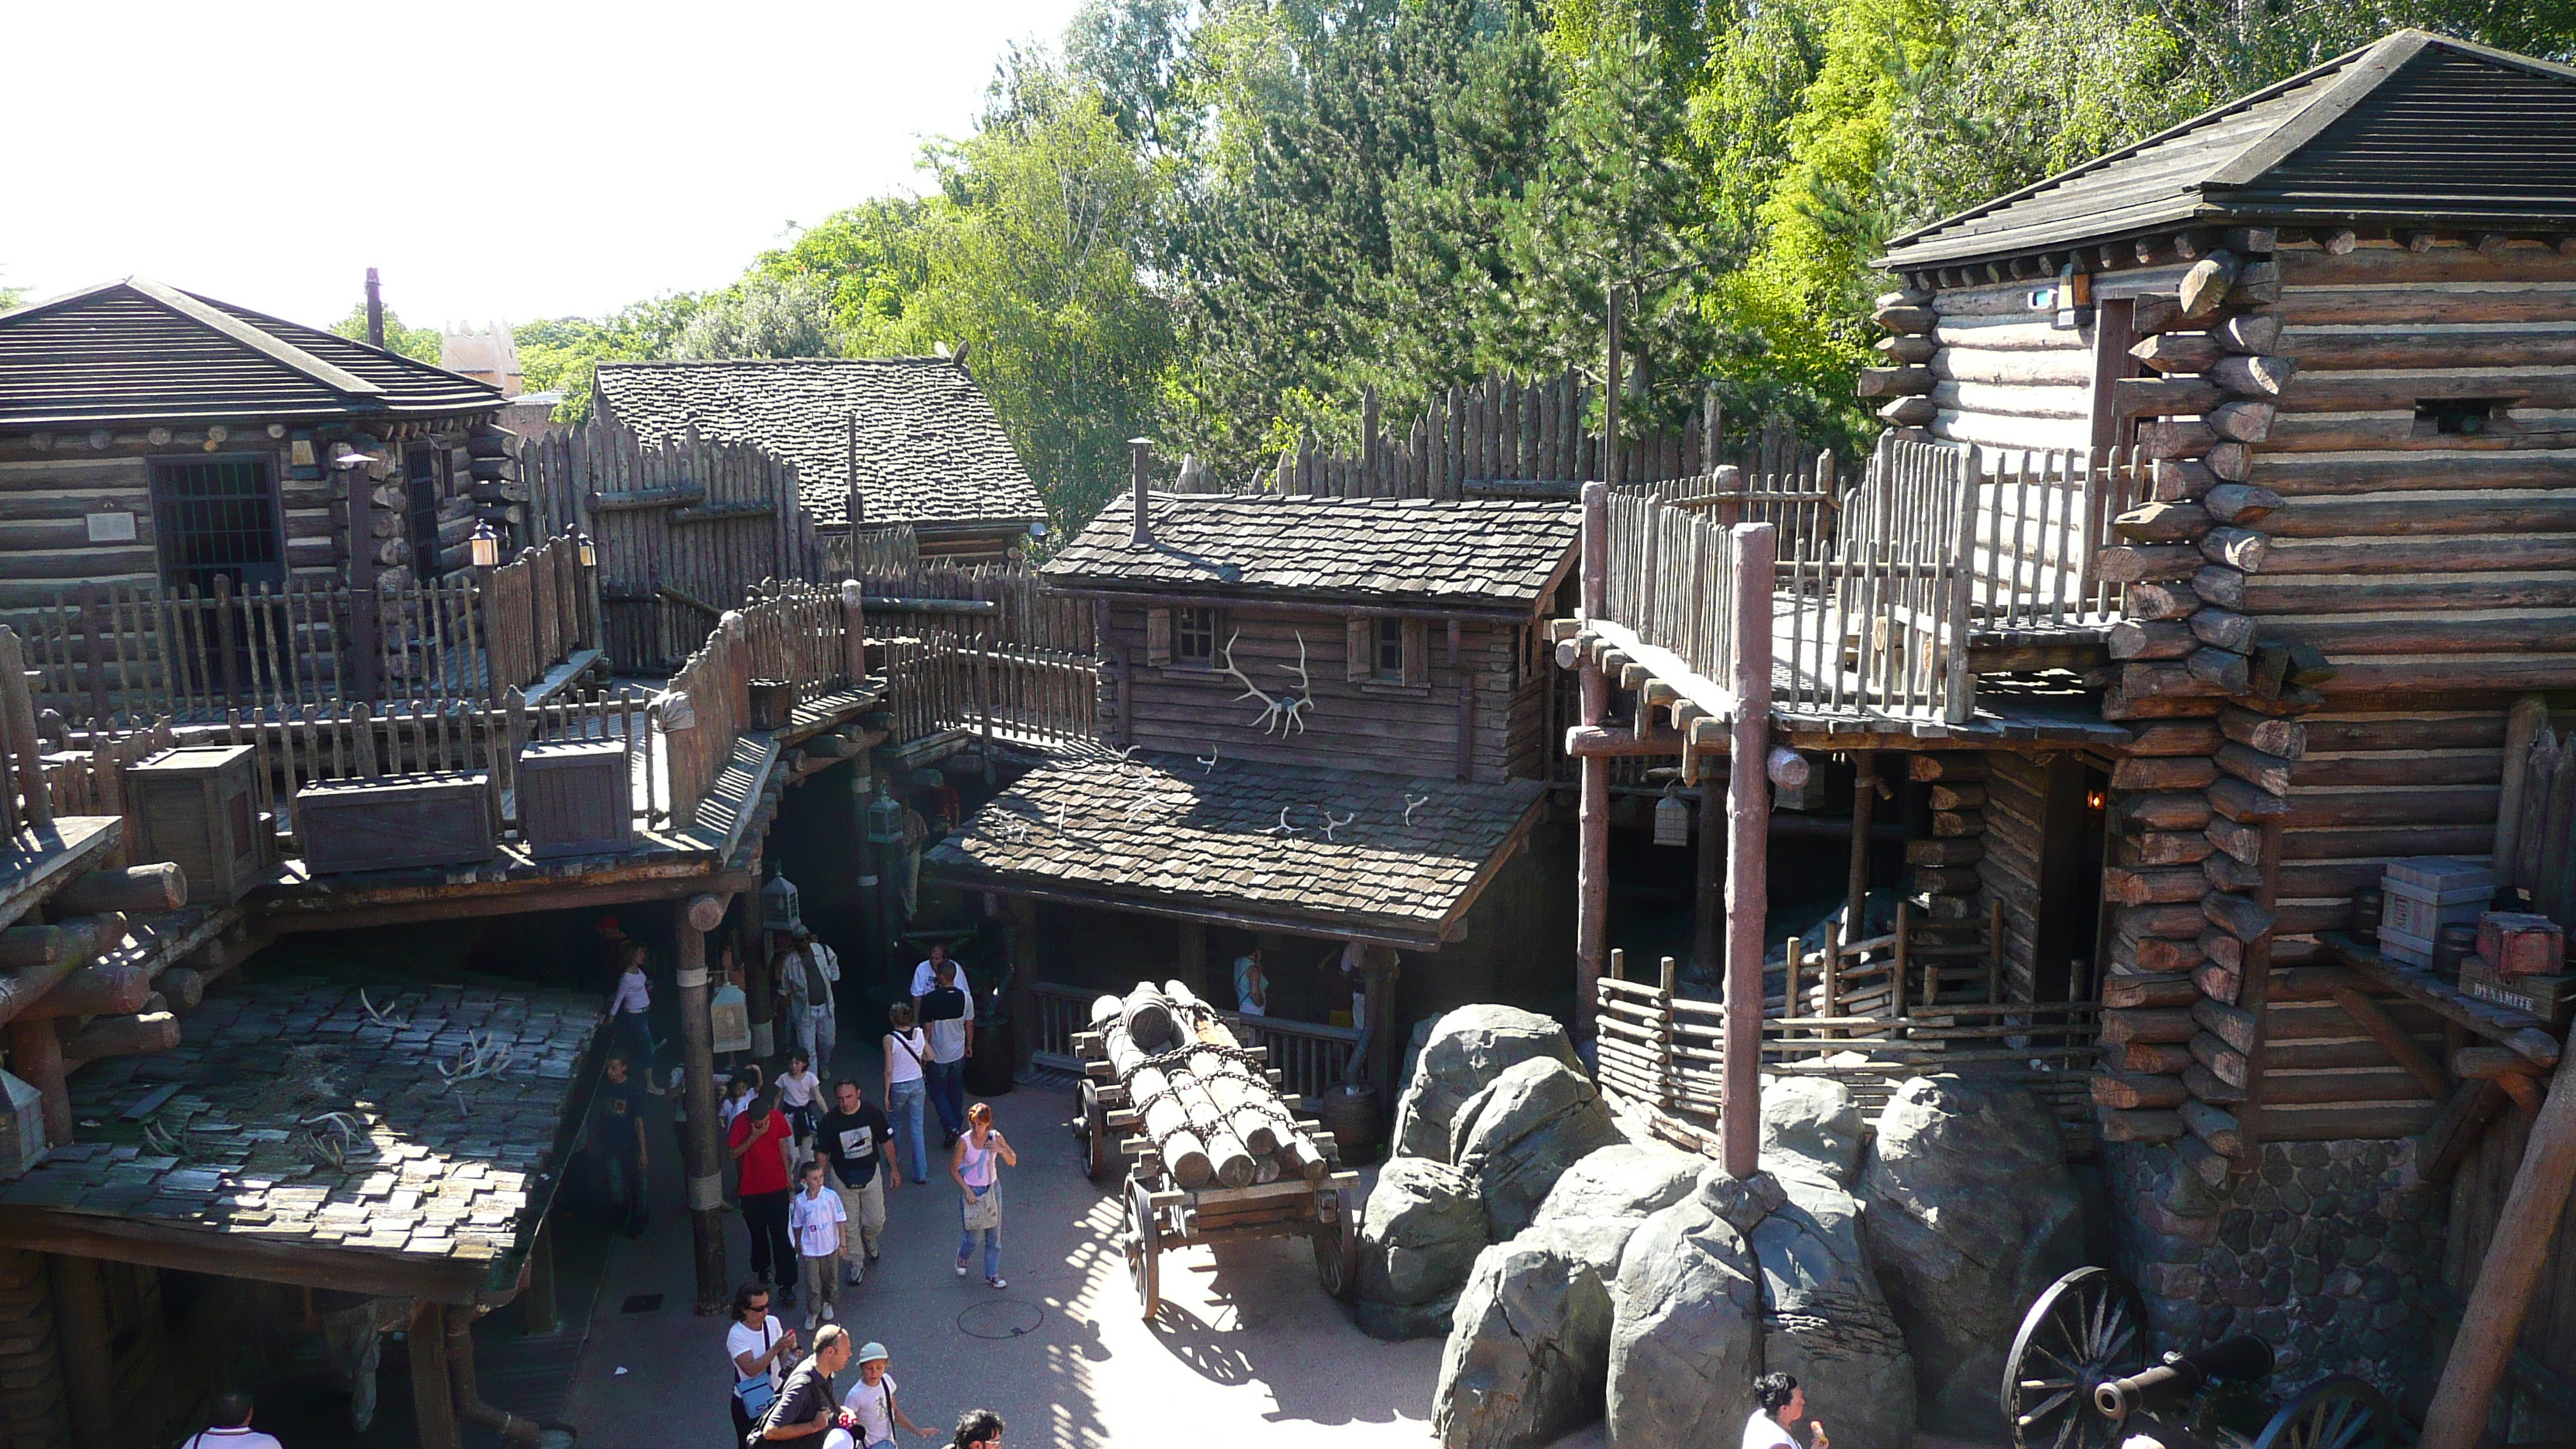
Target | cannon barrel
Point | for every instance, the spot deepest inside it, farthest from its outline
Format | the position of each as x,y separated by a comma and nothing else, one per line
2181,1374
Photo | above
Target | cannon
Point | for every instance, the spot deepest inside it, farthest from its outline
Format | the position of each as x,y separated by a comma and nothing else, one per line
2080,1377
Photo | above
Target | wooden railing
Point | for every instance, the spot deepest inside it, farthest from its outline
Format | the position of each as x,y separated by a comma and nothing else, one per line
2041,517
789,635
1061,1011
120,654
1665,1051
1311,1058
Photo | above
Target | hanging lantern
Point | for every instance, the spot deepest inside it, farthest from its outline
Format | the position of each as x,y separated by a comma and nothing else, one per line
1672,820
485,546
586,549
729,1018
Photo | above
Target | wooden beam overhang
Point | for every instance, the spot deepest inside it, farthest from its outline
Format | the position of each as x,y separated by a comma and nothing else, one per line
405,905
1307,604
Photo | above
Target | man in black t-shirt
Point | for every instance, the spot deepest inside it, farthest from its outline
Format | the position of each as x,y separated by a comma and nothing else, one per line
853,1138
618,1131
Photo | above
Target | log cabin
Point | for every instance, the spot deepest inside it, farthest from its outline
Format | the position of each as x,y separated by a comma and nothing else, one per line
2219,496
874,440
1331,716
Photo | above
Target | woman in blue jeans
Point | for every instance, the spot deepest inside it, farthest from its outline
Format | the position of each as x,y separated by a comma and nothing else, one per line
906,1050
976,1164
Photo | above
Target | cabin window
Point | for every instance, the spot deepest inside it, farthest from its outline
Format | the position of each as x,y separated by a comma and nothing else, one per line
2465,417
217,518
1390,651
1194,634
421,477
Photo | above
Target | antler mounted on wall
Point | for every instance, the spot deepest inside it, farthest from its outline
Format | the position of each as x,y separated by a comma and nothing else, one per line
1288,711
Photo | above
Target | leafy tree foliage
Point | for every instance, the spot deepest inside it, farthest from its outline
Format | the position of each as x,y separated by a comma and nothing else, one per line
421,344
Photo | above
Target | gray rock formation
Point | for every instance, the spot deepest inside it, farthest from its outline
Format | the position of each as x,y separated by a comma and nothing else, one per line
1625,1180
1824,1319
1529,1348
1970,1212
1514,1139
1811,1118
1461,1055
1419,1237
1684,1324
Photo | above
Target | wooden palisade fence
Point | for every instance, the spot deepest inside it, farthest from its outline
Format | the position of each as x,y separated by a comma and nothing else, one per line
685,529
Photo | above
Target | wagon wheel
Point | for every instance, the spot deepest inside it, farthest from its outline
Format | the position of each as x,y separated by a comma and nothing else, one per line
1100,1153
2342,1412
1337,1245
2087,1328
1144,1248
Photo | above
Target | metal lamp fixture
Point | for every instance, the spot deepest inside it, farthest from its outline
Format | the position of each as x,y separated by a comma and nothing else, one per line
349,460
1672,820
486,546
587,549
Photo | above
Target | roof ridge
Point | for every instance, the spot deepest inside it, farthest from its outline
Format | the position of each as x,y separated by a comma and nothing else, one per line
387,353
767,361
277,349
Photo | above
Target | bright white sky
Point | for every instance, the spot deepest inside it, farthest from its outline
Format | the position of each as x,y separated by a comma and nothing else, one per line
497,162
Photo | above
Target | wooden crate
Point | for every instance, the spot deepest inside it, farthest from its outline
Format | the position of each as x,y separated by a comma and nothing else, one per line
197,806
397,822
574,798
773,701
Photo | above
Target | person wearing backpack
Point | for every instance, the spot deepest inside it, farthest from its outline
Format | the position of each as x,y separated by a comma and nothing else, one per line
907,1058
758,1346
948,1019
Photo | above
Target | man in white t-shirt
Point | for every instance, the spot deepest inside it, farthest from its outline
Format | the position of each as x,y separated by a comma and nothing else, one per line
815,1217
926,975
870,1403
1781,1403
230,1426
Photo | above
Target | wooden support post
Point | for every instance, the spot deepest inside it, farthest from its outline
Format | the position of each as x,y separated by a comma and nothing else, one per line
537,1301
1994,952
854,629
703,1154
1378,970
1856,885
1708,896
2492,1322
1592,867
88,1354
1190,957
1751,549
366,637
1614,381
1020,915
433,1393
36,1056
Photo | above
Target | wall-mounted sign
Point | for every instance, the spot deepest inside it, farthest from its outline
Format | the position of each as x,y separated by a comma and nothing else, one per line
111,527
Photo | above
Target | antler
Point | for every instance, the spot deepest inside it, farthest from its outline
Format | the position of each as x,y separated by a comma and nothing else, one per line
1334,822
1287,713
1413,803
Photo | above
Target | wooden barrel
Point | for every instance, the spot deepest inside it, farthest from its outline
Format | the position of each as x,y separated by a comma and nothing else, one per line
1350,1113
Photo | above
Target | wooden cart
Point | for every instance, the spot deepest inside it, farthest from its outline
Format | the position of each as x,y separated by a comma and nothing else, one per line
1162,1215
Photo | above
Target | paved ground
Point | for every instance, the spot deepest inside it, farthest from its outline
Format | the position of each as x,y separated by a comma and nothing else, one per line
1247,1347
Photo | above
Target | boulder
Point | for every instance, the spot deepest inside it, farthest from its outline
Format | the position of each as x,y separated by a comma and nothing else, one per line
1824,1319
1811,1118
1514,1139
1683,1329
1969,1213
1419,1237
1529,1347
1625,1180
1460,1056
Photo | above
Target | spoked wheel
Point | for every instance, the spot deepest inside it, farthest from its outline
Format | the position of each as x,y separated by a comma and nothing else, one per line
2342,1412
1337,1245
1099,1153
1144,1248
2089,1327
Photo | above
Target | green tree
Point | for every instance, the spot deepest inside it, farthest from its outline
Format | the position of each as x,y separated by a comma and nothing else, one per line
874,257
765,314
421,344
560,354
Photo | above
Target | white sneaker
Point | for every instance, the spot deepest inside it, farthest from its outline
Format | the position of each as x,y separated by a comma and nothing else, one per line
961,1270
997,1282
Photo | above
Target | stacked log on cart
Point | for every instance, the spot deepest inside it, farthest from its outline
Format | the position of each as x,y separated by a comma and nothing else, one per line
1219,1156
2194,878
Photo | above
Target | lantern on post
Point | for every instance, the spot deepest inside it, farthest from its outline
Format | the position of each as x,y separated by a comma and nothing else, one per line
1672,819
484,546
586,549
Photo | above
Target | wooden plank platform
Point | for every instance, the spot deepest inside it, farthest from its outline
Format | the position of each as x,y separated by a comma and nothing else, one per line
42,859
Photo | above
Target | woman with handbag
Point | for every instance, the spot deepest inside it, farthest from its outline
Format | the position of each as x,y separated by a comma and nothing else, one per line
757,1343
976,1165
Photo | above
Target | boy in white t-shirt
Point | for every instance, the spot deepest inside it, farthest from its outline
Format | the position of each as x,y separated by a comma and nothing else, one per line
869,1409
815,1217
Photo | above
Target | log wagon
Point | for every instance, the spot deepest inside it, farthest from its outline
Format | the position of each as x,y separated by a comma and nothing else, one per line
1214,1153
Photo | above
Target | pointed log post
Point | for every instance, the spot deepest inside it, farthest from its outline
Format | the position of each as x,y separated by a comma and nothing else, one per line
704,1149
1592,910
2492,1322
1751,549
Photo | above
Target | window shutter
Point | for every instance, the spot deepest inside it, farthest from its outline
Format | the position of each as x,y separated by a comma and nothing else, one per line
1158,637
1362,645
1417,651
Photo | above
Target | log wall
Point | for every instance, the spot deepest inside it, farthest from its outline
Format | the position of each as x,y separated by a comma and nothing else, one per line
2015,807
2003,375
2549,1329
1491,690
2415,558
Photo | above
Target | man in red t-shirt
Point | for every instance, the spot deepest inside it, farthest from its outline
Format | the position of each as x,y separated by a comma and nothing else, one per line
760,1140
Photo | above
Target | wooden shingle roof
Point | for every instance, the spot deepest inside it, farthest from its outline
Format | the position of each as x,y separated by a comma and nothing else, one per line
1470,553
136,351
929,451
1241,839
2415,129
